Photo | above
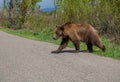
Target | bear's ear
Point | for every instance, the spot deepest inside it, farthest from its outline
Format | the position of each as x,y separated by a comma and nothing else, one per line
61,27
57,26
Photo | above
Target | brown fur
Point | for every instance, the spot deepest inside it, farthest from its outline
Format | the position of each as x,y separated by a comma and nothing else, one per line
78,33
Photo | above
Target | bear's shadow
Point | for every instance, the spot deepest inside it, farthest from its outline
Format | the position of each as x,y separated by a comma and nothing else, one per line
69,51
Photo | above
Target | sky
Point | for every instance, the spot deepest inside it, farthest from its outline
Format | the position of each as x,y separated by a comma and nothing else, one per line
1,3
47,4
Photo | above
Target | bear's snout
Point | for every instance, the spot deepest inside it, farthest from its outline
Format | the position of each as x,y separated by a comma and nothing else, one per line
55,37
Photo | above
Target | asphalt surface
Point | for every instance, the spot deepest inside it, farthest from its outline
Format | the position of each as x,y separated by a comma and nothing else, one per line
24,60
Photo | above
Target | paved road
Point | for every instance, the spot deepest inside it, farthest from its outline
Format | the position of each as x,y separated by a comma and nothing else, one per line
23,60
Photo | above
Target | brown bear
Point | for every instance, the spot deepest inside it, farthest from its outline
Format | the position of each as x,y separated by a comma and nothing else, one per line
77,33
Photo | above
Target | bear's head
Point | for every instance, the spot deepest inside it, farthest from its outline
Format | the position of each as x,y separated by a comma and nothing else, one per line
58,32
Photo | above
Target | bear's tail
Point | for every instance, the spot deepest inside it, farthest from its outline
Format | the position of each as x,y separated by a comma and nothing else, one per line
103,48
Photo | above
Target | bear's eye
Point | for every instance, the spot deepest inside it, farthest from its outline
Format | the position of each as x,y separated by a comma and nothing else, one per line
57,33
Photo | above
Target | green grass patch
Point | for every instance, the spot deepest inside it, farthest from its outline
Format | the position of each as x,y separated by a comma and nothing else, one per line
112,50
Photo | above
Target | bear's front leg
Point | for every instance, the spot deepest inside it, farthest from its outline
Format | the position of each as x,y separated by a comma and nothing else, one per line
77,45
62,45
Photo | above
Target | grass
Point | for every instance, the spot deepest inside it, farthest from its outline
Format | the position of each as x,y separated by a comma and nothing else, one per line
113,50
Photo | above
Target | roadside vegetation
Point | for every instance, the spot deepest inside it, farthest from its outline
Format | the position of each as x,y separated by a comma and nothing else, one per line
23,18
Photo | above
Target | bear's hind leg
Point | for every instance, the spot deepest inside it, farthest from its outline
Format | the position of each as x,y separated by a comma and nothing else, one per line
90,47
